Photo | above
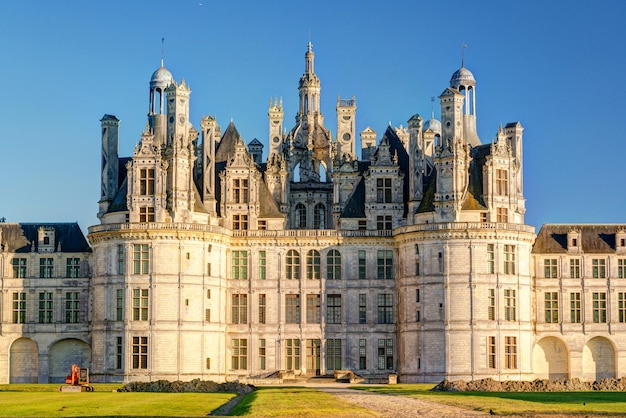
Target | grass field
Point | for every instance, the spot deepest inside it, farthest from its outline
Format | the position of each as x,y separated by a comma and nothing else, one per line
46,400
519,403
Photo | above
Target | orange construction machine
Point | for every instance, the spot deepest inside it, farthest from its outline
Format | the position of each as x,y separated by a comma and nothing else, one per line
78,377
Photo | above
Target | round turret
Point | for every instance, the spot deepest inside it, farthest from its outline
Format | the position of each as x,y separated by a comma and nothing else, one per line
462,77
432,124
161,77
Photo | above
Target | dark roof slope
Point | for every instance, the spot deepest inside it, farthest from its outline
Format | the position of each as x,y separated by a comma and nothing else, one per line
19,238
595,239
355,206
226,147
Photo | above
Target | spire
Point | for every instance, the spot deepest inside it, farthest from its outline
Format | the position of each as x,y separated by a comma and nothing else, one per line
463,46
432,107
162,50
310,56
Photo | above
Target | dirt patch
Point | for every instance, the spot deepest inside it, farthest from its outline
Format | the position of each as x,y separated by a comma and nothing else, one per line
537,385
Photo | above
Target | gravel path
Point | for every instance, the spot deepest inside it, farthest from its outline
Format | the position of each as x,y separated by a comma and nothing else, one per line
389,406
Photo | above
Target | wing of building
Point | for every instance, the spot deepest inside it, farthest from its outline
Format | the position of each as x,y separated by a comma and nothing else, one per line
410,259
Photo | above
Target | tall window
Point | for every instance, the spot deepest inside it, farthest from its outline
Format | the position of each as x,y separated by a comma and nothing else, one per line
319,216
19,268
385,353
491,307
292,265
502,182
140,304
502,215
385,264
574,303
313,264
262,354
140,352
385,308
313,309
262,308
362,354
509,259
45,308
146,181
510,352
240,222
240,190
362,308
509,304
141,260
292,309
383,223
72,267
300,216
362,265
239,264
262,265
491,352
621,268
383,191
491,258
19,308
239,353
333,265
550,268
599,307
574,268
46,268
333,309
121,265
598,266
239,308
119,305
146,214
621,307
119,353
551,307
72,307
292,354
333,354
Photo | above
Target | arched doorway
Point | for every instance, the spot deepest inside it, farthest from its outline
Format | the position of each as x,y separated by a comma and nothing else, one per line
550,359
598,359
24,359
63,354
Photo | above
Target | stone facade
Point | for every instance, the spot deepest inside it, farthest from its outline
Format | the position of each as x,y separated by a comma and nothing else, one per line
413,260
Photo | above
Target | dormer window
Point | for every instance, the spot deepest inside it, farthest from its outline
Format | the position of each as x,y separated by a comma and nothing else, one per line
620,241
240,190
573,240
383,191
45,239
146,181
502,182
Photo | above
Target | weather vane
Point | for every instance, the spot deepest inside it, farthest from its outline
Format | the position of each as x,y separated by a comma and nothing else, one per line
162,50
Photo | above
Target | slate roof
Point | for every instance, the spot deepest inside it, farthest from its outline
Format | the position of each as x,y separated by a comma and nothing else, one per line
18,238
594,238
474,197
355,206
226,147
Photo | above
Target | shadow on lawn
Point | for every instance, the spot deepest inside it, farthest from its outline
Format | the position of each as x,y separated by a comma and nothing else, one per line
245,405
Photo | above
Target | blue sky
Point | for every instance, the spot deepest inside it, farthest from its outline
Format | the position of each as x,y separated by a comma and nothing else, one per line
555,66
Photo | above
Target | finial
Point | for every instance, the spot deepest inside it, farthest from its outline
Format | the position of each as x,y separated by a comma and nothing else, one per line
432,106
463,46
162,50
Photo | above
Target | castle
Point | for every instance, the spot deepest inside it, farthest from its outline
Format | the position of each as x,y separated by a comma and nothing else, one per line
413,260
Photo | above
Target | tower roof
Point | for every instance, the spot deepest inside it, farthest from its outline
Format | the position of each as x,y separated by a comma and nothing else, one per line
462,77
162,77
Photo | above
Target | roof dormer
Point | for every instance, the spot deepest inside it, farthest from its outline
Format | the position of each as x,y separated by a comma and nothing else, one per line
574,244
620,241
45,239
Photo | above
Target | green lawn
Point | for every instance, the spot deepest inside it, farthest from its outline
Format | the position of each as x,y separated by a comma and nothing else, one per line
46,400
522,403
296,402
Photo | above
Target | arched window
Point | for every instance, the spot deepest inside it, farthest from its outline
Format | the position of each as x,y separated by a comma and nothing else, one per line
319,216
333,265
300,216
313,264
292,265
